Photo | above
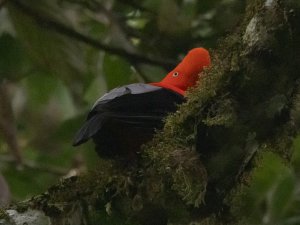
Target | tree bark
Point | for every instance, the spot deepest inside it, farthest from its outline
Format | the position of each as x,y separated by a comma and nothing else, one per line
244,105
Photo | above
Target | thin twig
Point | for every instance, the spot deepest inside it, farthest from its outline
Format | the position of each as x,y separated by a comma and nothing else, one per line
7,124
96,7
123,38
49,23
35,166
114,21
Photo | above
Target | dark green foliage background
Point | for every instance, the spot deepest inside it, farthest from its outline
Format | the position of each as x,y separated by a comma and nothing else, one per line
53,79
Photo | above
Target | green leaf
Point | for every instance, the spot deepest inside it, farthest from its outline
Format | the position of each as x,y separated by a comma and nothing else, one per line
137,23
151,73
64,101
280,198
267,174
11,63
40,87
5,25
271,196
27,182
96,89
171,20
292,221
296,155
204,6
152,4
58,54
117,71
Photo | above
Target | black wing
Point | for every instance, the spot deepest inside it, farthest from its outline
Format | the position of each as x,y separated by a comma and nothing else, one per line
136,105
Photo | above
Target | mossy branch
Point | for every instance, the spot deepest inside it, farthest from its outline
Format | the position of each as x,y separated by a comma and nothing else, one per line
244,104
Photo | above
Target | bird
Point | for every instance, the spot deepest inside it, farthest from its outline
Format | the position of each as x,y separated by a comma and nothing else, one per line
127,117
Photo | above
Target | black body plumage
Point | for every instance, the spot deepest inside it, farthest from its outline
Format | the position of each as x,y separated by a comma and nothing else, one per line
126,117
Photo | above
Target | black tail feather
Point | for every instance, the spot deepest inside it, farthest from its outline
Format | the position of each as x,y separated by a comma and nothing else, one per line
89,129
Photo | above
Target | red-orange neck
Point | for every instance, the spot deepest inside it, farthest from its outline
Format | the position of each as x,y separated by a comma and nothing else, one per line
170,87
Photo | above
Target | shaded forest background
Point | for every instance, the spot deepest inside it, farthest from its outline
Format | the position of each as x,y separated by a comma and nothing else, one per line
58,57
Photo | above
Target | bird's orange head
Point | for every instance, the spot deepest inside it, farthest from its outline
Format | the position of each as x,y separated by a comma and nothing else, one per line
186,73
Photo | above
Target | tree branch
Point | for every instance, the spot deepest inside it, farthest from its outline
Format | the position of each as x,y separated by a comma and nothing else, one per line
49,23
119,26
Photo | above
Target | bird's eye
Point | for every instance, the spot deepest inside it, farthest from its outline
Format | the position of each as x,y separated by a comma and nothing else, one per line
175,74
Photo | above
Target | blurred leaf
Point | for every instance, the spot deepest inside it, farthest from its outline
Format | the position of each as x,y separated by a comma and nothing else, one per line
152,4
292,221
272,196
280,198
189,8
61,158
64,101
40,87
205,6
12,57
296,155
43,89
56,53
117,71
137,23
95,28
5,25
67,129
28,182
96,89
270,170
153,73
171,19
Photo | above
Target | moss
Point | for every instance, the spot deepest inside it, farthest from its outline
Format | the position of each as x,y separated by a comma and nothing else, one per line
173,152
4,215
253,7
233,101
22,207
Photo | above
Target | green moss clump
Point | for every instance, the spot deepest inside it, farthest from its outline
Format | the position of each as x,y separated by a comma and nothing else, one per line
4,215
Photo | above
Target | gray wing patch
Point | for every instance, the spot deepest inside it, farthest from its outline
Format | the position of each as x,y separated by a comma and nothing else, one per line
137,88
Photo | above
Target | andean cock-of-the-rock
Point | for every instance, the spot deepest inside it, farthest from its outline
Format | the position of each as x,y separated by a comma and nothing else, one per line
127,117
